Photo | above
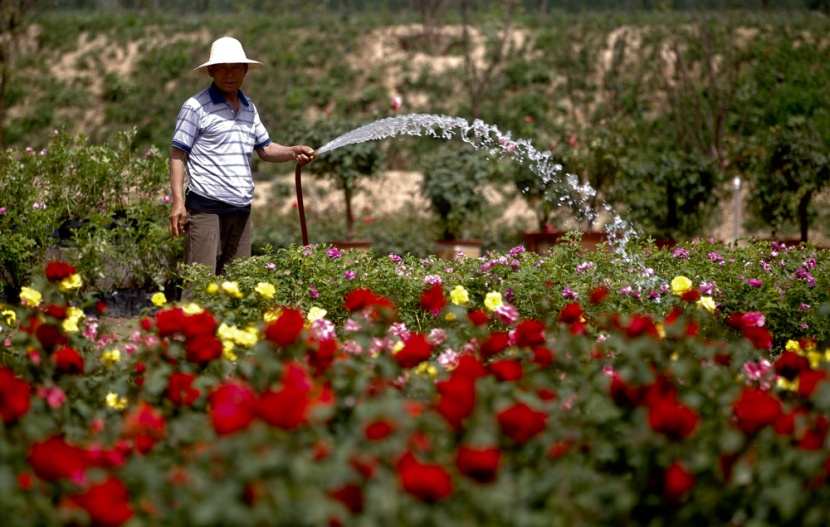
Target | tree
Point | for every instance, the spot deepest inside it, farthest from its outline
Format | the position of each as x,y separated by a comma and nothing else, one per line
14,21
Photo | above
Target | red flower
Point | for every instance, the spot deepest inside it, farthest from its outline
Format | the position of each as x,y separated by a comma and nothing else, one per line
231,407
199,324
761,338
349,495
598,295
571,313
426,482
457,399
378,430
50,336
107,503
672,419
286,408
521,423
360,299
68,360
416,350
180,389
641,325
56,311
790,365
15,396
432,300
624,395
808,381
677,482
755,409
692,295
285,330
814,435
145,425
530,333
478,317
542,357
170,321
55,459
494,343
57,271
469,367
479,464
321,357
203,349
506,370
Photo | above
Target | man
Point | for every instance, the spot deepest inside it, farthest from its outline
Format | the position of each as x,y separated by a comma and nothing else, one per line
217,131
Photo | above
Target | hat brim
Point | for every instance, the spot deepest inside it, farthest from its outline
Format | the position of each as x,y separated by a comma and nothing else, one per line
203,69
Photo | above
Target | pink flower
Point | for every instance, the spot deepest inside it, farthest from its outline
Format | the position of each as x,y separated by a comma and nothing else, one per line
54,396
396,103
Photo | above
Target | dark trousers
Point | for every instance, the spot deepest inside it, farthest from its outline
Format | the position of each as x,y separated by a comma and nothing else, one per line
216,239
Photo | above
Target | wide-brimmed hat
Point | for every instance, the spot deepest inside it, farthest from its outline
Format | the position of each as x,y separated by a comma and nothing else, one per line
226,50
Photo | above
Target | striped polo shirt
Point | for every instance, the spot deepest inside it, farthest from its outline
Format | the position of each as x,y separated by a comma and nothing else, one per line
219,145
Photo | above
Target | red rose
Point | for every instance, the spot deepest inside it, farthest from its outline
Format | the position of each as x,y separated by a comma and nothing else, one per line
55,459
68,360
494,343
530,333
56,311
321,357
378,430
427,482
199,324
506,370
692,295
170,321
677,482
457,399
521,423
15,396
808,381
349,495
470,367
478,317
203,349
145,425
50,336
286,328
432,300
416,350
57,271
755,409
571,313
641,325
761,338
624,395
479,464
814,435
790,365
107,503
598,295
285,408
542,356
360,299
673,420
785,424
231,407
180,389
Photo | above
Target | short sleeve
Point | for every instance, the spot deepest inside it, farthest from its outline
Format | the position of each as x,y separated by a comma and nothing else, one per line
187,127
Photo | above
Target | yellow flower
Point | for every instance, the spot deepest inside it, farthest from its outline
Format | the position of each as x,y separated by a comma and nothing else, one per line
426,368
10,316
111,357
793,346
784,384
397,347
661,331
707,303
71,283
272,314
231,289
315,314
459,295
30,297
158,299
73,316
265,290
244,337
115,401
493,300
680,285
192,309
227,351
212,288
449,317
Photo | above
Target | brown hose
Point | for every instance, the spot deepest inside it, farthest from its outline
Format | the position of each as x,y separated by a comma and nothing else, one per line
298,183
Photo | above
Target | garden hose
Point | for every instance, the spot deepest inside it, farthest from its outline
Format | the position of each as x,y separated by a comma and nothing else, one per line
298,172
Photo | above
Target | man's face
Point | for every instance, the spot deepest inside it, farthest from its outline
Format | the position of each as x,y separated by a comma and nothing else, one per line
228,77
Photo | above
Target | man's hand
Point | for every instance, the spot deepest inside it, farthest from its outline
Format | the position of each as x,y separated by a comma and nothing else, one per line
176,220
303,155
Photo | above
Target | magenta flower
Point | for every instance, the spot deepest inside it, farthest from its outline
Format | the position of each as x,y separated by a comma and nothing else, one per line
395,258
680,252
569,293
349,275
754,282
754,319
2,211
333,253
312,291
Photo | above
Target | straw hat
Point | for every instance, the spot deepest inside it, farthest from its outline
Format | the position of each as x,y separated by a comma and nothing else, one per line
226,50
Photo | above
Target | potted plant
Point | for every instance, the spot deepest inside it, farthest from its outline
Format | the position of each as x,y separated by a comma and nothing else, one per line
346,167
454,179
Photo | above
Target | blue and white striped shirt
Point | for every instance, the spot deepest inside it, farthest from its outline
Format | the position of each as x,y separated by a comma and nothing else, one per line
219,145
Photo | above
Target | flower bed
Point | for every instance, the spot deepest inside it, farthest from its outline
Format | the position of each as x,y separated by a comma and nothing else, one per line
311,387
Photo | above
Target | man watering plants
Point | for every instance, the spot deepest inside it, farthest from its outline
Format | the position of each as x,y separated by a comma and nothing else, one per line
217,131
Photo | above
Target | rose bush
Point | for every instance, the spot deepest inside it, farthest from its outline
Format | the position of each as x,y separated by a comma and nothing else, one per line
510,390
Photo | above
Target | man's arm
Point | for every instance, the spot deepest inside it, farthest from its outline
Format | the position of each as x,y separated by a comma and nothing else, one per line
274,153
178,214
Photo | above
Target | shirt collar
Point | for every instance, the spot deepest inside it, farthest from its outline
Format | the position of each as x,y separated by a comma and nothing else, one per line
217,97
